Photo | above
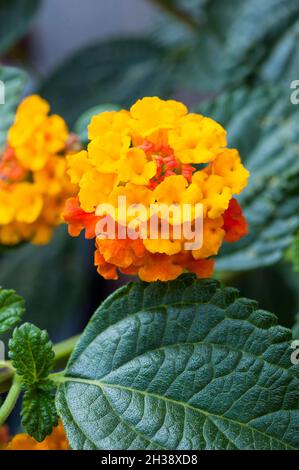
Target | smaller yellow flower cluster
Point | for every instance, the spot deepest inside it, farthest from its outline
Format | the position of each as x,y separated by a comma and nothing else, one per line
157,153
33,180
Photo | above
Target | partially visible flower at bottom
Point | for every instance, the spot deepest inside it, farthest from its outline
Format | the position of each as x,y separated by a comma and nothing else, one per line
156,154
56,441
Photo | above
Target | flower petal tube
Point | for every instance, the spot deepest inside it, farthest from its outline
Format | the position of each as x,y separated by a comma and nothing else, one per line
33,181
156,154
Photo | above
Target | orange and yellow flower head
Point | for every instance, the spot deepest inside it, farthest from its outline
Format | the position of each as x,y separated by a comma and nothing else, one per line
33,180
156,153
57,440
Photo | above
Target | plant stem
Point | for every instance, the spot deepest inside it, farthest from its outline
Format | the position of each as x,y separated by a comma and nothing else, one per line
178,14
10,400
63,351
7,373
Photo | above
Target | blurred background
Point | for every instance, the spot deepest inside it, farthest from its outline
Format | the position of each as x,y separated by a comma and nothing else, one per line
63,26
232,60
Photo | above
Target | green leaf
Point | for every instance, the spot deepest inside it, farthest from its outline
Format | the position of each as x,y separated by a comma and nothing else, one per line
235,42
181,365
262,41
31,353
39,414
117,71
16,16
14,82
81,125
12,308
264,127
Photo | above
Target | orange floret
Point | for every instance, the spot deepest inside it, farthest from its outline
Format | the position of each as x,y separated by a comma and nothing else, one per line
235,224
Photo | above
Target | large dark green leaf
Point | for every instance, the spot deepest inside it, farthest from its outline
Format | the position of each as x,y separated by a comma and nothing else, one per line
235,41
14,81
16,16
117,71
262,41
181,365
264,127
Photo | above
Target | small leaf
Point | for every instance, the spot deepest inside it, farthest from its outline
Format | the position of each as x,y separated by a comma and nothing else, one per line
81,125
117,71
14,82
12,307
39,414
16,16
31,353
181,365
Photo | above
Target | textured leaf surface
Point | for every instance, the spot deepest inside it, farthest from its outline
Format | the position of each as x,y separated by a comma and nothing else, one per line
39,414
181,365
16,16
264,127
14,81
31,353
273,22
117,71
12,307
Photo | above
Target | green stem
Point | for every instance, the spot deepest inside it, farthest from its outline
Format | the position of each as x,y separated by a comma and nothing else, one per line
63,351
7,373
9,380
10,400
178,14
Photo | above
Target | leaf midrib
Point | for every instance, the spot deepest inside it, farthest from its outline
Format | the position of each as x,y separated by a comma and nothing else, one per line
102,385
205,341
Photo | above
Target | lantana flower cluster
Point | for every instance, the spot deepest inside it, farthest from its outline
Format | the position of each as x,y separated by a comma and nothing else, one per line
33,181
157,153
56,441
